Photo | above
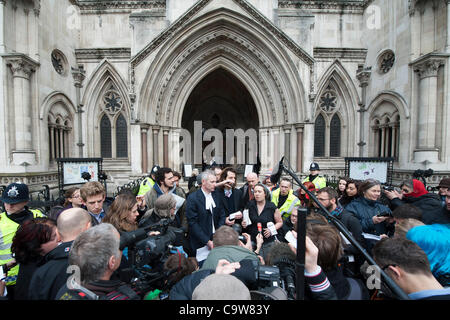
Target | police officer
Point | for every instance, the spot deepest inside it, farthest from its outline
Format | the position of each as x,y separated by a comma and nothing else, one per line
147,183
284,198
314,177
15,199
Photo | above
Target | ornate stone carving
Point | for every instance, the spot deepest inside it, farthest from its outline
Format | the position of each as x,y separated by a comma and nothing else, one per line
386,61
328,100
92,6
21,66
428,67
59,62
237,42
363,76
78,74
112,101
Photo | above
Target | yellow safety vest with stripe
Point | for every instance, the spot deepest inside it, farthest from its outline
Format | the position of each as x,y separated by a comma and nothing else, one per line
8,230
287,207
145,186
319,182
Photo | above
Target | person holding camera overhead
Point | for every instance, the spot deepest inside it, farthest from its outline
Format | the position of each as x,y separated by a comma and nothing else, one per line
375,217
415,193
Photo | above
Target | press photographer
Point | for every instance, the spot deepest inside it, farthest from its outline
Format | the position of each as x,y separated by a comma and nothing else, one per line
94,256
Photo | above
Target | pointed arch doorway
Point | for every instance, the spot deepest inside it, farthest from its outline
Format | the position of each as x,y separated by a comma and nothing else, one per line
221,102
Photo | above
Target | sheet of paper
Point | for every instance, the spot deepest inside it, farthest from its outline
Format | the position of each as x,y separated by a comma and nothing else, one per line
246,217
371,236
291,239
202,253
2,275
179,200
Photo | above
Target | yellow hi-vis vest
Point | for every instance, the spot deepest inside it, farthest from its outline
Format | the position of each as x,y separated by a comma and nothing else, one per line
319,182
8,230
287,207
145,186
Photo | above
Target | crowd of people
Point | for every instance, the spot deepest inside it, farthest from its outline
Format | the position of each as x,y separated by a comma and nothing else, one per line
82,250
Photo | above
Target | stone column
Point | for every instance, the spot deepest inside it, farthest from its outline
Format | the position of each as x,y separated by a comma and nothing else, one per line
447,45
363,76
427,69
52,142
264,148
22,68
287,142
155,152
299,161
166,147
2,27
144,154
78,75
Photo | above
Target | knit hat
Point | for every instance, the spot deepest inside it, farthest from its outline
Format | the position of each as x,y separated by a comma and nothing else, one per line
15,193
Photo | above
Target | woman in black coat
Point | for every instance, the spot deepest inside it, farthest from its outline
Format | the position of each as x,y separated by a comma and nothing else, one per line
32,241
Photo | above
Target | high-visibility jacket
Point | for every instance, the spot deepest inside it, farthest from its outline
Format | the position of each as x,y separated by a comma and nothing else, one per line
287,207
319,182
145,186
8,230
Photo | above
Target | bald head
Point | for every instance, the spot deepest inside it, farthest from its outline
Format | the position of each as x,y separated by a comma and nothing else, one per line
252,179
72,222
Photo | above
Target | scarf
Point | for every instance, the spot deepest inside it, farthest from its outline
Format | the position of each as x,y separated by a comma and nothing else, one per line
418,189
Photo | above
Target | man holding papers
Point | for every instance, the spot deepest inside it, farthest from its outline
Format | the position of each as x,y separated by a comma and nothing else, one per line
205,214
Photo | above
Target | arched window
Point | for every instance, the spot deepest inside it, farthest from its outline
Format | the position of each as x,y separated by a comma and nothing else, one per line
121,137
59,122
113,124
105,136
385,123
335,136
319,137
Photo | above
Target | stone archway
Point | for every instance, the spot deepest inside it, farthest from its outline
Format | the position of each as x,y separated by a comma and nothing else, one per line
220,101
270,66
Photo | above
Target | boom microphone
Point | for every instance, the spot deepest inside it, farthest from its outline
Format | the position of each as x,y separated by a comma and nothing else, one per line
277,171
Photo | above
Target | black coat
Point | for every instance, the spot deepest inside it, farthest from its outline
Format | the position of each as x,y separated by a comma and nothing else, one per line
232,204
429,204
51,276
354,226
200,220
26,272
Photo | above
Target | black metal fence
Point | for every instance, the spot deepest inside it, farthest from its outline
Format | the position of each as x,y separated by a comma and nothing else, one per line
40,199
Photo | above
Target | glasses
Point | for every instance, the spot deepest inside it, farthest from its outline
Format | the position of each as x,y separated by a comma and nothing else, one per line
75,197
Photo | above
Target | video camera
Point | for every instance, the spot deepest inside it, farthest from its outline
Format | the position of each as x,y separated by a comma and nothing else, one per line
147,254
278,278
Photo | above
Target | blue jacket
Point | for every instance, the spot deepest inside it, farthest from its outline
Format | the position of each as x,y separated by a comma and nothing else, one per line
364,210
200,220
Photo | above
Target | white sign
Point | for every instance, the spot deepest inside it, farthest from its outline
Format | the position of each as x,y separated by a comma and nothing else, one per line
73,170
362,170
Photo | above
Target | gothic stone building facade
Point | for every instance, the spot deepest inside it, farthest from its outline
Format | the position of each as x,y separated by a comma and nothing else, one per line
316,80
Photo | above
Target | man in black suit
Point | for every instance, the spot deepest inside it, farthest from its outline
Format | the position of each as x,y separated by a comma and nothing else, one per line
229,196
205,214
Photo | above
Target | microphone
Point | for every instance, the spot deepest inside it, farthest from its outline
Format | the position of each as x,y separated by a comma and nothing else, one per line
277,171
